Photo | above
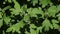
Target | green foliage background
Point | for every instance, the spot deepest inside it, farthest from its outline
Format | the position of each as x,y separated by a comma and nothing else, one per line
30,17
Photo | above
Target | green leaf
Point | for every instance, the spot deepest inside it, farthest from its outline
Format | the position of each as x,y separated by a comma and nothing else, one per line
24,7
52,11
3,32
44,2
33,31
6,19
34,2
46,24
0,9
34,11
41,12
58,16
32,26
15,12
17,5
39,29
1,22
16,27
5,8
29,10
31,13
54,21
26,18
10,1
55,25
28,0
27,32
0,14
58,8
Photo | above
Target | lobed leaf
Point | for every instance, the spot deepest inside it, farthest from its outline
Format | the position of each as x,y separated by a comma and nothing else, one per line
46,24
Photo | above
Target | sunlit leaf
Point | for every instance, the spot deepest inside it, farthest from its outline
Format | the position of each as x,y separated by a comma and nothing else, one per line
58,8
3,32
46,24
26,18
1,22
34,11
8,1
33,31
39,29
17,5
0,9
0,14
15,12
28,0
7,7
52,11
41,12
55,24
29,16
44,2
32,26
7,19
27,32
58,15
34,2
31,13
24,7
54,21
16,27
59,18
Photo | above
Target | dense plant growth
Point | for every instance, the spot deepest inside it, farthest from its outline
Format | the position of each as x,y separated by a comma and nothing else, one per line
29,16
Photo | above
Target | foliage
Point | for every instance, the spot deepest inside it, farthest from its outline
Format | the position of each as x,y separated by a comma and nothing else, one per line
18,16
